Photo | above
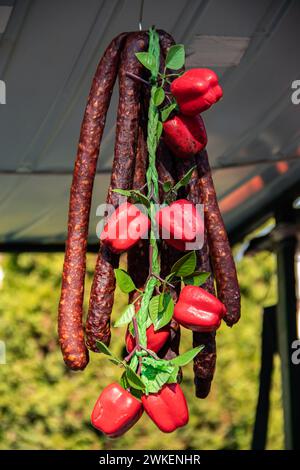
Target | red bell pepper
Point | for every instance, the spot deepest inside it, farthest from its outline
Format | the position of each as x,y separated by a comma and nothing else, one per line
179,224
196,90
155,339
116,411
126,226
167,408
185,135
198,310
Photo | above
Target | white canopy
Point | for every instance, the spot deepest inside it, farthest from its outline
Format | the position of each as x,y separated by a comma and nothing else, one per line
49,51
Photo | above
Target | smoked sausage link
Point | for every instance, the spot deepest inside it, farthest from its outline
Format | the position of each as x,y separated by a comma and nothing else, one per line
205,361
219,247
103,287
138,255
70,329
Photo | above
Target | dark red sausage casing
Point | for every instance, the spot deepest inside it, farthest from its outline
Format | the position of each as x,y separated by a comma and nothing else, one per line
70,329
205,361
219,247
138,255
103,287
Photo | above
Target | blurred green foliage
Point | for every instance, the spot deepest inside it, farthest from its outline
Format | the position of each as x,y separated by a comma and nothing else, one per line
45,406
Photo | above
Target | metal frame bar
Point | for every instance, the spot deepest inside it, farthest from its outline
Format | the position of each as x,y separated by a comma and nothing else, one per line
219,165
287,326
268,350
262,214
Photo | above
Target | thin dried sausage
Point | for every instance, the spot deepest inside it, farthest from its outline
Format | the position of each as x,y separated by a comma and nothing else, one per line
103,287
205,361
138,255
219,247
70,330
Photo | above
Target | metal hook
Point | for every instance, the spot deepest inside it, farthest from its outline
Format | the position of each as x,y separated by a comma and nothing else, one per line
141,15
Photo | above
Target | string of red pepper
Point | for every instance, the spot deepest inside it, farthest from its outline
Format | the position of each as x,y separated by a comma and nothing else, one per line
148,382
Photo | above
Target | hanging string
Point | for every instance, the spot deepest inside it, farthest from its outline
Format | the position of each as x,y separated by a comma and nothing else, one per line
141,15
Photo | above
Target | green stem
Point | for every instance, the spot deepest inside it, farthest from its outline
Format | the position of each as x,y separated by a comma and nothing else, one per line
153,191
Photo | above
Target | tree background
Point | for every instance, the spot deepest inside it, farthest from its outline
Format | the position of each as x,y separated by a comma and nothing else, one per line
45,406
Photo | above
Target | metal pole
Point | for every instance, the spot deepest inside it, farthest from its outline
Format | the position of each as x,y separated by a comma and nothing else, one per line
287,330
268,350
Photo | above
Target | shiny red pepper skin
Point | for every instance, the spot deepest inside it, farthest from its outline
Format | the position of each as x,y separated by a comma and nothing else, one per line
125,227
198,310
116,411
196,90
167,408
155,339
180,223
185,135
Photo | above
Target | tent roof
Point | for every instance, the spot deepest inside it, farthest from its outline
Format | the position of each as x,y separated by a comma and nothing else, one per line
48,54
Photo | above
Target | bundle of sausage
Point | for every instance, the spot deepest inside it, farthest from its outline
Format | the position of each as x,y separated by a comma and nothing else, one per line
160,177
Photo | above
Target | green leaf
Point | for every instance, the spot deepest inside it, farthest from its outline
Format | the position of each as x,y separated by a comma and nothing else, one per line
175,57
185,266
173,377
159,96
134,380
136,393
161,308
148,322
134,362
197,278
186,357
123,381
134,194
159,130
154,307
124,192
165,112
156,373
126,316
139,197
147,60
124,281
131,328
115,361
125,384
165,313
103,348
167,186
185,179
169,277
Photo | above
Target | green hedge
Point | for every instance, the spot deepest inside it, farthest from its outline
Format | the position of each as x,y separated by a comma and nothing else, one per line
45,406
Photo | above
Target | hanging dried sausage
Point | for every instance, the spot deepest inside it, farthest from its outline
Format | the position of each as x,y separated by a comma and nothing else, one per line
70,329
220,251
103,287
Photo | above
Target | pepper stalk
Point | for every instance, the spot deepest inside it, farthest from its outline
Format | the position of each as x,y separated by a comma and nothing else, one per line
154,131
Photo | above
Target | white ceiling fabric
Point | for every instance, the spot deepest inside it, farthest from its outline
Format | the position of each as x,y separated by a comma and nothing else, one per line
48,55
